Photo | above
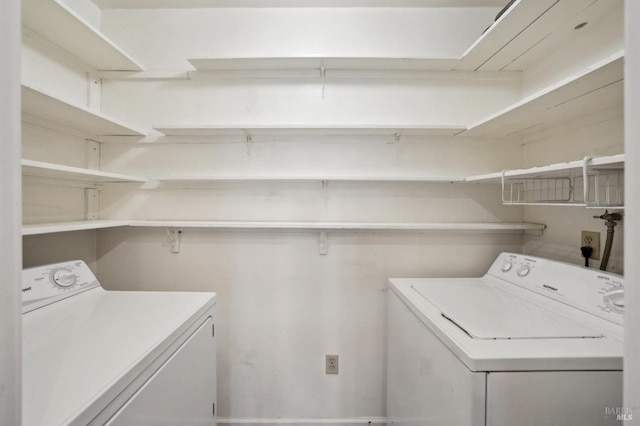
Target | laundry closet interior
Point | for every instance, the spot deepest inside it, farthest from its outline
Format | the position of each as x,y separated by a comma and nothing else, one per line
292,156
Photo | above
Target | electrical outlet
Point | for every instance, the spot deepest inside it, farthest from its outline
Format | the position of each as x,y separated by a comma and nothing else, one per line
591,239
331,364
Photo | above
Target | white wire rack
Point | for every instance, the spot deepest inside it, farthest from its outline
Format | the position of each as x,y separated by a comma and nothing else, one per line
591,183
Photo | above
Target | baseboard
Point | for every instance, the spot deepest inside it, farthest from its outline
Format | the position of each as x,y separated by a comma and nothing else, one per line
306,422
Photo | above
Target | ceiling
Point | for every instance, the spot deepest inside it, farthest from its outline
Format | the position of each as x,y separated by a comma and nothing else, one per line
177,4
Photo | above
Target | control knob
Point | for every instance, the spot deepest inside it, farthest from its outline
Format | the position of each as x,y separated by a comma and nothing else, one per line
506,266
64,278
523,271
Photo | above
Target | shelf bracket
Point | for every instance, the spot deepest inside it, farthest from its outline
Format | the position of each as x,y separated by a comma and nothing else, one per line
173,235
325,192
92,203
322,245
92,154
323,74
248,141
397,138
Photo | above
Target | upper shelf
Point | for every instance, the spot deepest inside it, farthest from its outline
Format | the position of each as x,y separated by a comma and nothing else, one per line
380,130
288,179
612,162
45,106
319,62
528,30
57,171
61,25
596,88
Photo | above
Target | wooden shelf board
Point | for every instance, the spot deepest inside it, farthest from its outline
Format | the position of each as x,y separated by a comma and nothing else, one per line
55,21
40,104
49,228
339,225
597,88
284,179
57,171
374,130
319,62
528,30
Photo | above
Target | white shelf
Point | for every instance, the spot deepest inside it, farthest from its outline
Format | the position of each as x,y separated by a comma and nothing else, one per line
591,182
613,162
491,226
596,88
49,228
55,21
42,105
528,30
320,62
57,171
373,130
284,179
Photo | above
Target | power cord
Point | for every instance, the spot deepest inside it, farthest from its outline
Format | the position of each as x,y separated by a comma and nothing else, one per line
586,253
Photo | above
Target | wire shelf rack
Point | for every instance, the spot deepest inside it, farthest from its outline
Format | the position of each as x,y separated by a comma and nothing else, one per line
592,185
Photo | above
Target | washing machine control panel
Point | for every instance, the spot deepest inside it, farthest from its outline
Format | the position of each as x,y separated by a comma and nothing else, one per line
597,292
47,284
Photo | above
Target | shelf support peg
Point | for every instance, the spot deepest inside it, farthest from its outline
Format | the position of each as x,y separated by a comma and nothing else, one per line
174,236
323,249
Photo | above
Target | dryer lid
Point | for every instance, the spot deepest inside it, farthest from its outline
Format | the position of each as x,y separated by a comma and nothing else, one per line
487,312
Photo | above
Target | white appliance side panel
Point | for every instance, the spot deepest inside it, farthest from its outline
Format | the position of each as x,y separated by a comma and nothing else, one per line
426,383
182,391
580,398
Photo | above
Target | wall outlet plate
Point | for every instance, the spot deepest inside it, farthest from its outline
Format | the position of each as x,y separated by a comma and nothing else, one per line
591,239
331,364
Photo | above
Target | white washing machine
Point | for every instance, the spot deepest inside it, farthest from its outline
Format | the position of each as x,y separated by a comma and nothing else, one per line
94,357
533,342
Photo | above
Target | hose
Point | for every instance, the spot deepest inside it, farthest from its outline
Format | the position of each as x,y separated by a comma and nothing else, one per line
610,219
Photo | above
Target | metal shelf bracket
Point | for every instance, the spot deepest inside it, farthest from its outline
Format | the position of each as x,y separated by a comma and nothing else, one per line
323,248
174,237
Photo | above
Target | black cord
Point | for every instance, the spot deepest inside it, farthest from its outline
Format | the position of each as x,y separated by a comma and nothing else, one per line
586,253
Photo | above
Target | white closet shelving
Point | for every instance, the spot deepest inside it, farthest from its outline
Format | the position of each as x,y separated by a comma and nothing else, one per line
50,228
273,179
47,228
591,182
57,171
527,31
292,130
59,24
39,105
320,63
596,88
370,226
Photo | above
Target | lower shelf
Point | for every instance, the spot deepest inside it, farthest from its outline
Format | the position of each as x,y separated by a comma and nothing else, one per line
48,228
82,225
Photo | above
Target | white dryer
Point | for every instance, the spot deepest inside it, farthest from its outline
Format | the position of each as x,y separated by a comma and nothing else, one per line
533,342
94,357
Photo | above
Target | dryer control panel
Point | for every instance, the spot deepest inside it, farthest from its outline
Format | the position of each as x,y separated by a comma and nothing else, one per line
47,284
597,292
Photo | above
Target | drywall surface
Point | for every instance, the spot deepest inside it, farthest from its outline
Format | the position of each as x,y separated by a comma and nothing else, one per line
63,247
283,306
267,32
598,135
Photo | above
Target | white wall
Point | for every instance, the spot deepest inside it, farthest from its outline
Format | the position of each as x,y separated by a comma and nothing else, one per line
632,267
10,245
265,32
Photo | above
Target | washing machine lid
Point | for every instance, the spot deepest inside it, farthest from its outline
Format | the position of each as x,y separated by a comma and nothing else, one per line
488,312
